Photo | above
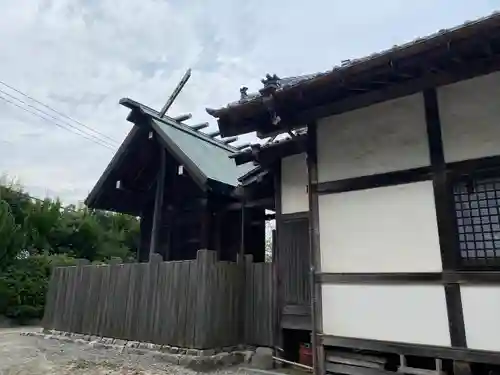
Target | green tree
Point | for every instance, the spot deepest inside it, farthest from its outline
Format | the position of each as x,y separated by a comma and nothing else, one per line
23,286
11,236
36,235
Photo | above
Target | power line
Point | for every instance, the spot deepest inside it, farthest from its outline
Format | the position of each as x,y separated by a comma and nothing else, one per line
55,123
57,119
56,111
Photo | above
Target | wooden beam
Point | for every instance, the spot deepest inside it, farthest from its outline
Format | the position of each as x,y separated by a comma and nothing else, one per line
446,217
145,233
200,126
267,154
213,134
158,207
420,350
269,217
256,203
229,140
243,146
183,117
171,217
176,92
205,216
242,232
314,250
279,302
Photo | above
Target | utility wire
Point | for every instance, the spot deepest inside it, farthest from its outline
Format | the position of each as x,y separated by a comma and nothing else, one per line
55,123
57,119
56,111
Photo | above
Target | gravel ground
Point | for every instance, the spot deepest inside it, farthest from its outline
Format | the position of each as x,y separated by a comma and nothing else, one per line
36,355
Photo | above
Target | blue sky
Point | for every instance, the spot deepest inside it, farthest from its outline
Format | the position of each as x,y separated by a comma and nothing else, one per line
82,56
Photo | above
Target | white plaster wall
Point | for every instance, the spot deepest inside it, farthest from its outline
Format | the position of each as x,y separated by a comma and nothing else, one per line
387,229
403,313
294,196
384,137
470,118
481,308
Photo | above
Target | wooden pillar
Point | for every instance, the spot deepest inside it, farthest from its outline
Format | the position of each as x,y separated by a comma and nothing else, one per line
277,341
171,211
242,231
255,233
158,208
206,216
446,218
278,300
217,220
314,251
145,226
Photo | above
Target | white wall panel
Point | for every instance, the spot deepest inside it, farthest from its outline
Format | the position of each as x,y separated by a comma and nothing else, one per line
294,196
403,313
481,306
387,229
382,138
470,114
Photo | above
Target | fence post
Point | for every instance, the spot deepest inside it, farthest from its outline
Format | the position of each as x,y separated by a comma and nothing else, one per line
205,262
71,307
114,316
247,298
153,303
276,295
51,305
78,312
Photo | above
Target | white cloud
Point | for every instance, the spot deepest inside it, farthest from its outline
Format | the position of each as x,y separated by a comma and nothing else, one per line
82,56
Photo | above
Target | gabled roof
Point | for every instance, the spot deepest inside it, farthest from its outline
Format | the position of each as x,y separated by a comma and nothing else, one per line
441,58
205,159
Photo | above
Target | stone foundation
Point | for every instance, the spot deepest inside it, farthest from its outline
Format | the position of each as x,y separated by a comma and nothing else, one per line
195,359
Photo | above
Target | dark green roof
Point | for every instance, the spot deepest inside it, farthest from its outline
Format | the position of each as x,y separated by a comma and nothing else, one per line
205,159
209,157
196,150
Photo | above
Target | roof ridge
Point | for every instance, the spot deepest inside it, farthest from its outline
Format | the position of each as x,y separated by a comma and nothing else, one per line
346,64
130,103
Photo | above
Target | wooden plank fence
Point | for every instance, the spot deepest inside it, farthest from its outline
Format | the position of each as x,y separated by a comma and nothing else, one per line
259,314
198,303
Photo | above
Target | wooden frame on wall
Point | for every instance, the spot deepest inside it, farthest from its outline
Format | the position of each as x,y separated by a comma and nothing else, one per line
454,273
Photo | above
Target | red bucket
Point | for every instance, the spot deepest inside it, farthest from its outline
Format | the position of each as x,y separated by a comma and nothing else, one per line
305,354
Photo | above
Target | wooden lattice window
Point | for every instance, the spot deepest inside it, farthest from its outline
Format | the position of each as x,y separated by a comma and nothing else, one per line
477,207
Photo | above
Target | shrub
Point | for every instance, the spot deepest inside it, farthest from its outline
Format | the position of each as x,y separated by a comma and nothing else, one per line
23,286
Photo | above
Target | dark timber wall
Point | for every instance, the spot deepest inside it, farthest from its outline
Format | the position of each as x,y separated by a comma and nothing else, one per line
293,261
199,303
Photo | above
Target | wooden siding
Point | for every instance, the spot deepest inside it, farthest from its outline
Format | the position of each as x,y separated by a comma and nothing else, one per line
293,262
193,304
259,313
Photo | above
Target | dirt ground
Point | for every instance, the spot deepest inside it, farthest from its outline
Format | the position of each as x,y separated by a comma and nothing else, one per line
36,355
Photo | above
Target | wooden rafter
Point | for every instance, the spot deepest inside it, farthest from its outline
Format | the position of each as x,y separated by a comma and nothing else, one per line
200,126
183,117
214,134
229,140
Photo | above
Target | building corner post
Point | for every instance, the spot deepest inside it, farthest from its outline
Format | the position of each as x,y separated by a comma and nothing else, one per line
314,255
